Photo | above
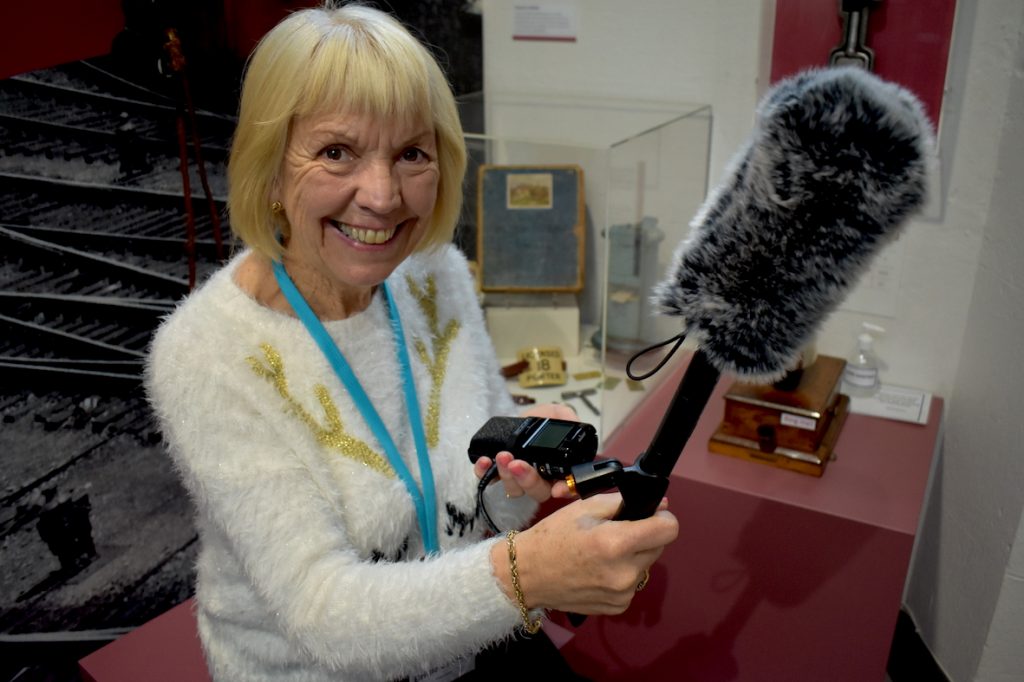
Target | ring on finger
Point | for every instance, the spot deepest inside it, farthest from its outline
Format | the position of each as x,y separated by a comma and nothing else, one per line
644,580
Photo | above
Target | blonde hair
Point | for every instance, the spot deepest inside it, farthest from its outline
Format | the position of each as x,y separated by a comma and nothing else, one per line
351,59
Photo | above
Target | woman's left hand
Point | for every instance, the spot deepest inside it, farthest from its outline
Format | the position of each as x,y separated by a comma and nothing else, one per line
520,477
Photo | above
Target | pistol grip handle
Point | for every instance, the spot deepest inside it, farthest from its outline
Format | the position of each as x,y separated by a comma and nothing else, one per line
641,494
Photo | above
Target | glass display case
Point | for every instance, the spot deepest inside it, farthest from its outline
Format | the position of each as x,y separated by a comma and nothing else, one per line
573,209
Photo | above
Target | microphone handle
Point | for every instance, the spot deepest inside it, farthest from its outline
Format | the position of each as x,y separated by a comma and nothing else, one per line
644,483
647,480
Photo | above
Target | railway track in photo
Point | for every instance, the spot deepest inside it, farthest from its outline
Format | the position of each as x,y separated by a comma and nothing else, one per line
96,246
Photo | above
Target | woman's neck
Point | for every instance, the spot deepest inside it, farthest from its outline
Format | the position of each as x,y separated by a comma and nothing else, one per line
255,276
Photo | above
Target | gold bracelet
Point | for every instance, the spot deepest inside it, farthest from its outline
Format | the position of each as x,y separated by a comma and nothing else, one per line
529,627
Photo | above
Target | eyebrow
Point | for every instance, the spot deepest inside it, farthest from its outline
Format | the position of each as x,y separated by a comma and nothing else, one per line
344,135
418,140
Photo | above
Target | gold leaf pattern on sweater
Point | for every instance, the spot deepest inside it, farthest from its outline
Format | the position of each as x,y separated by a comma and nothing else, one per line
441,342
331,433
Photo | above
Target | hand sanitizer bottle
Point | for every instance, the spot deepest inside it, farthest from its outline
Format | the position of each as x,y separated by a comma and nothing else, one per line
860,378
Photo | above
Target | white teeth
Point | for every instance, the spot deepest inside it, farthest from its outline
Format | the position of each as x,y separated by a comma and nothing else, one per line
366,236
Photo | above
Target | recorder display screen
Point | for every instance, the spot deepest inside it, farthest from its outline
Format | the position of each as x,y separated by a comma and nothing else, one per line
550,435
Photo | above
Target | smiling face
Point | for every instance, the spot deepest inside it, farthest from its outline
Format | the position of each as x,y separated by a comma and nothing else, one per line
358,192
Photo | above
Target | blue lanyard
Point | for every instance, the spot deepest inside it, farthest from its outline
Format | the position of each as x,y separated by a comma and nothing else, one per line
425,502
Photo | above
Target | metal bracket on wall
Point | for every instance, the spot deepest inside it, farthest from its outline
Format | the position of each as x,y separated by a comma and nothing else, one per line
853,50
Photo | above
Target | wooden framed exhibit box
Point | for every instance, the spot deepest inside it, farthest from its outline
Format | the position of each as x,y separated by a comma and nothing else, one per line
793,429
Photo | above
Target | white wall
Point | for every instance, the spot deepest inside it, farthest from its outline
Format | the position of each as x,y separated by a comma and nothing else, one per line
692,52
717,52
622,53
956,311
968,576
1002,659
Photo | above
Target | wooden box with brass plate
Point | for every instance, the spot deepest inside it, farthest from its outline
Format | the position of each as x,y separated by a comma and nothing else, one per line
793,429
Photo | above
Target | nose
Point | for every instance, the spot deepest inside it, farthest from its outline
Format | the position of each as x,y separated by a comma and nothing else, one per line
379,188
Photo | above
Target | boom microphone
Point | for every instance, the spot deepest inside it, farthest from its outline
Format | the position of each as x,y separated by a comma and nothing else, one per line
835,164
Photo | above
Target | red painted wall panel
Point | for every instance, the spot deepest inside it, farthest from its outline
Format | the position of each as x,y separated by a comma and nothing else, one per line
248,20
911,40
38,35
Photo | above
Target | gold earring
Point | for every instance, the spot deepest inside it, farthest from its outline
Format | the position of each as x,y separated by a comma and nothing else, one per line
276,207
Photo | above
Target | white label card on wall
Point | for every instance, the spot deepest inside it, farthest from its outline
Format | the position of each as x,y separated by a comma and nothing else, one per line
552,21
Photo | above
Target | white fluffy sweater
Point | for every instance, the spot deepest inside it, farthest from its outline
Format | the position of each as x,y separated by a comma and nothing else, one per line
311,564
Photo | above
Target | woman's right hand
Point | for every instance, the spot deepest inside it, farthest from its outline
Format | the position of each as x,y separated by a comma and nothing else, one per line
578,560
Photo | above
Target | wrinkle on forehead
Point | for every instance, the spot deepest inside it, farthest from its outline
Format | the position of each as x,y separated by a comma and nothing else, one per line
363,129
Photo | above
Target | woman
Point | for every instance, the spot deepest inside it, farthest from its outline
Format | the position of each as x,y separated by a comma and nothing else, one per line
319,392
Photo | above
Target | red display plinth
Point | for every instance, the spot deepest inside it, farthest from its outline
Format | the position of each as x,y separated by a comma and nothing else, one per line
166,649
775,575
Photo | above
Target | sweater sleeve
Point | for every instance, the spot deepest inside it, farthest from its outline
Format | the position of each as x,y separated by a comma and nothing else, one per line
365,619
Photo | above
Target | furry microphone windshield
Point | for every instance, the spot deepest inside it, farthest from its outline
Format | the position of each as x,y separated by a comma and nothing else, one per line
835,164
